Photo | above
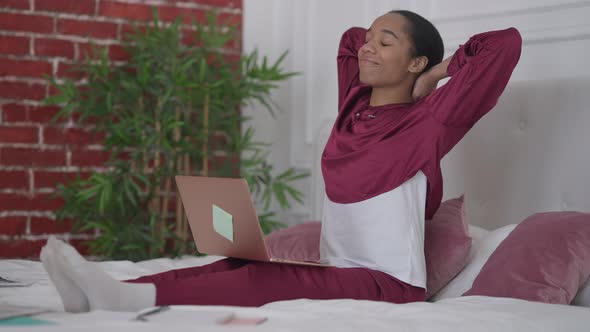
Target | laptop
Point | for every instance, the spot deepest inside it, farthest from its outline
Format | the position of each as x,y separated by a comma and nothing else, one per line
223,220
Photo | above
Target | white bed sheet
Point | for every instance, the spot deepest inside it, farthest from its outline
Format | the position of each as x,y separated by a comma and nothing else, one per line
474,313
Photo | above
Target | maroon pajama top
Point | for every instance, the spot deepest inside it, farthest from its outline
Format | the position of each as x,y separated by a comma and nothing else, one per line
373,150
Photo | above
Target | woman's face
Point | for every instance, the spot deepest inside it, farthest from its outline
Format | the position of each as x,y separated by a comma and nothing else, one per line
385,58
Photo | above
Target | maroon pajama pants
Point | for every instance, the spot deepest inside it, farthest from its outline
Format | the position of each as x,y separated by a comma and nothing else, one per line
239,282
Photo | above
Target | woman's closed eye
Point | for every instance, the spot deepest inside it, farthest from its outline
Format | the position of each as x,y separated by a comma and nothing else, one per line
381,43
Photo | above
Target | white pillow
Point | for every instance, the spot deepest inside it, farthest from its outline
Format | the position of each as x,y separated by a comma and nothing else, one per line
583,296
482,247
477,233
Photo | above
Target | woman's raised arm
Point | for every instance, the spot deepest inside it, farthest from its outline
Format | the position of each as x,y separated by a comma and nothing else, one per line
479,71
348,67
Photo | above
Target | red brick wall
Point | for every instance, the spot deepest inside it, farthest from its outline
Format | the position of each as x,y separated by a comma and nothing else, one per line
44,37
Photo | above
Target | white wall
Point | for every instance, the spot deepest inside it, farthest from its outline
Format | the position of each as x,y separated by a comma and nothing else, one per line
556,42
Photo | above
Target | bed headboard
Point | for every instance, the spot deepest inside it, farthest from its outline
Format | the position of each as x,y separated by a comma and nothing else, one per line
530,154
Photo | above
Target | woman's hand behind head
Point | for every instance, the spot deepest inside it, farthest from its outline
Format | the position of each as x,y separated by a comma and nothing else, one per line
423,86
427,82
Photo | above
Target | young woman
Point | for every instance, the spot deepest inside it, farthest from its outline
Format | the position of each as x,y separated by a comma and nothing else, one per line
381,168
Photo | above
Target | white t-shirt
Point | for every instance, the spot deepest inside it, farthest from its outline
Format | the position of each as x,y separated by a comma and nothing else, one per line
384,233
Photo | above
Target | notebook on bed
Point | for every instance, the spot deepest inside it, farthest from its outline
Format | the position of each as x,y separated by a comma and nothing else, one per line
223,220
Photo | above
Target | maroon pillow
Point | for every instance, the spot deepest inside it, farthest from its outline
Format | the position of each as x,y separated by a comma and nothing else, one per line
300,242
446,246
546,258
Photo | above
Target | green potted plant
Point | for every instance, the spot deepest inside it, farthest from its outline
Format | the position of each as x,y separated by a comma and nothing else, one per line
171,109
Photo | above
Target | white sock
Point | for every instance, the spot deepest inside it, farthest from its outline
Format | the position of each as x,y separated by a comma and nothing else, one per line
104,292
65,249
71,295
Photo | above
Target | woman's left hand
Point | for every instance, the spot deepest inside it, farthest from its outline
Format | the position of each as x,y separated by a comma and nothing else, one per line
424,85
427,82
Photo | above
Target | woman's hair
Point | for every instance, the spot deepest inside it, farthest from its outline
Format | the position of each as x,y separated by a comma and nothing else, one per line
425,38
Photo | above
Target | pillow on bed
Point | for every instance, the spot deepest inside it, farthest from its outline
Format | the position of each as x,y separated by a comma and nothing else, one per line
583,296
446,246
546,259
477,233
480,251
300,242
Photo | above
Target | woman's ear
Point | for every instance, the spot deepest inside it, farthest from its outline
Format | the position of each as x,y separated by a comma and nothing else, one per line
418,64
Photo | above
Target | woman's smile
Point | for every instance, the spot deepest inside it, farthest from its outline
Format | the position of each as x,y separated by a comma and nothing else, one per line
367,61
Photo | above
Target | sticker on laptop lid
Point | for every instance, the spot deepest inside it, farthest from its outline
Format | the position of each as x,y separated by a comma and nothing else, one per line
223,223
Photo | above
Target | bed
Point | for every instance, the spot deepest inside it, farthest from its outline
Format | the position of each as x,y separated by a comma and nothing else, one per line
475,313
530,154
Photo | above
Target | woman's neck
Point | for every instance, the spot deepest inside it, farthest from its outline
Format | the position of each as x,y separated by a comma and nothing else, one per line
389,95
